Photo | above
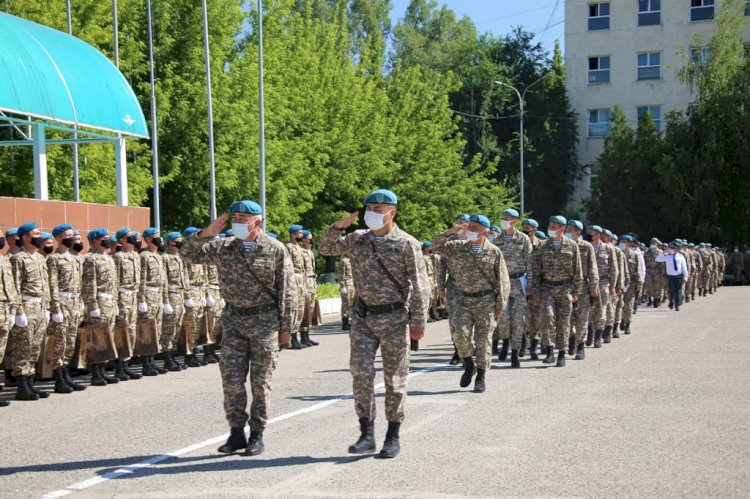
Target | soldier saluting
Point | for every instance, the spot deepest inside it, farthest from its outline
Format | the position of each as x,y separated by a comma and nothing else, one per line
257,282
392,298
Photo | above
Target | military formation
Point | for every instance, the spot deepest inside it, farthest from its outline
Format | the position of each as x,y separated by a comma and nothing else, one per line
509,290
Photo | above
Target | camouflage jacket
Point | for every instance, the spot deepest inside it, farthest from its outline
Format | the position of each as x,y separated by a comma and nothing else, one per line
623,279
557,266
308,259
212,275
99,277
634,268
298,260
177,276
262,276
65,272
589,268
606,264
400,253
31,275
475,272
9,291
153,276
516,251
344,271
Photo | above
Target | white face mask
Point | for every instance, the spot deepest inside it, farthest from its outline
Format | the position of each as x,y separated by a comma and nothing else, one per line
653,246
490,238
621,246
472,236
505,224
552,233
569,235
374,220
240,231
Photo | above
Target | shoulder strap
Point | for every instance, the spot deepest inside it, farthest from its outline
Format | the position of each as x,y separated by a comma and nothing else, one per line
491,282
386,271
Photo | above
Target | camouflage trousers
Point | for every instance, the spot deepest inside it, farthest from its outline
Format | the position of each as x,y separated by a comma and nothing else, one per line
653,286
25,342
557,306
129,311
347,292
4,328
217,310
451,297
64,333
619,305
611,309
628,301
705,279
170,324
477,315
512,323
534,321
582,312
194,315
389,332
299,309
154,300
250,346
598,314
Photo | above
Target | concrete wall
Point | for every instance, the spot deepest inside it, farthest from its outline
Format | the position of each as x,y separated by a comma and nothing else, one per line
83,216
622,43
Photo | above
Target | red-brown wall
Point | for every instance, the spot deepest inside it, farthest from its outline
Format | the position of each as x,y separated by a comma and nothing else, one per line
82,216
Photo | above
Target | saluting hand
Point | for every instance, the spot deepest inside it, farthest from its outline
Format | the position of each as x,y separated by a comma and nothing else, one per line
215,227
347,221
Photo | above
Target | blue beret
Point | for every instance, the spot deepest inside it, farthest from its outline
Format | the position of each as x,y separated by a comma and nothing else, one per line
495,228
427,244
190,231
575,223
463,216
596,228
558,219
113,239
97,234
481,219
150,232
531,222
608,233
26,228
510,212
59,229
76,233
272,235
229,233
541,234
121,232
626,238
46,235
172,236
136,233
222,235
295,228
381,196
306,233
246,206
13,231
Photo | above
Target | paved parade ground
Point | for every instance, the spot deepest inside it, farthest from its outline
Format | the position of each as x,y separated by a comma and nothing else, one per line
662,412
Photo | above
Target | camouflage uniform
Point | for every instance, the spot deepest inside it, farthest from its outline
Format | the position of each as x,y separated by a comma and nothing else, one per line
311,291
516,250
128,264
258,308
178,290
636,281
483,287
716,278
10,302
196,279
65,272
373,326
430,270
652,287
298,262
213,290
436,263
697,262
32,280
534,309
586,302
447,284
153,289
556,273
346,286
614,307
99,287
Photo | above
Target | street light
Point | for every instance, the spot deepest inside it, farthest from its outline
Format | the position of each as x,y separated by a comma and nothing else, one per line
521,97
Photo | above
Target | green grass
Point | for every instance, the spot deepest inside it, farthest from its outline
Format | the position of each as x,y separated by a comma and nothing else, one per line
328,290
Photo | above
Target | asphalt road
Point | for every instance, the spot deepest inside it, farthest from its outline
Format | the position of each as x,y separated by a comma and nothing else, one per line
663,412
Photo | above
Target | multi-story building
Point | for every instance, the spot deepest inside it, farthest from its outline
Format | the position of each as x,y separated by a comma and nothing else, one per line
627,53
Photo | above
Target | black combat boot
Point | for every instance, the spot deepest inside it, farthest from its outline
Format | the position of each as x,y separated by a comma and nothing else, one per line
524,345
96,376
571,345
391,446
296,345
468,372
148,369
10,380
534,354
366,441
4,403
590,335
495,349
235,442
120,373
24,391
627,328
170,364
657,302
111,380
209,355
255,445
61,385
306,340
455,359
345,324
31,381
550,358
191,361
479,382
650,302
159,370
514,362
598,338
581,352
75,386
444,314
131,374
503,354
560,359
615,334
622,325
606,334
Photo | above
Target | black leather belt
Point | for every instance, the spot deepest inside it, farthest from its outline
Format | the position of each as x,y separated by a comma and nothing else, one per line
517,275
250,311
556,283
382,309
479,294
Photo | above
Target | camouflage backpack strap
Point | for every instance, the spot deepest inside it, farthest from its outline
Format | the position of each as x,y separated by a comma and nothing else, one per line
386,271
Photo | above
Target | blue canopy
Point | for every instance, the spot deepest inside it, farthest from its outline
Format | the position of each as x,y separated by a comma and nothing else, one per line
51,75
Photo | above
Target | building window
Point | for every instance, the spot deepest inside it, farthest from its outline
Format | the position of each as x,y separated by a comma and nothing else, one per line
598,16
649,12
700,55
701,10
747,8
599,124
649,66
654,111
746,50
598,70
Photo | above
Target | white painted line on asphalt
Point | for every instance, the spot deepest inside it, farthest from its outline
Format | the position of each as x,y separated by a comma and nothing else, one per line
133,468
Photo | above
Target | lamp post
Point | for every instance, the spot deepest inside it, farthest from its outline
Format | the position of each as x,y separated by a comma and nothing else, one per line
211,159
521,98
262,142
76,181
154,127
